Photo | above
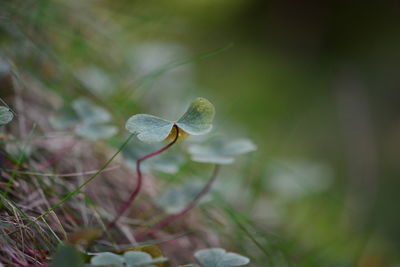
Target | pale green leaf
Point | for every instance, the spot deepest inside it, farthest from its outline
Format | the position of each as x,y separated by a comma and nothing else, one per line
5,115
107,259
66,256
197,120
140,258
218,257
148,128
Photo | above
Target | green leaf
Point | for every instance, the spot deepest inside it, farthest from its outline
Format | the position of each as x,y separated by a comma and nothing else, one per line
89,112
5,115
218,257
66,256
197,120
96,131
107,258
219,151
139,258
148,128
129,259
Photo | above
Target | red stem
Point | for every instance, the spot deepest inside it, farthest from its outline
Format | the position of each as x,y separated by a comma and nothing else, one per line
138,185
169,219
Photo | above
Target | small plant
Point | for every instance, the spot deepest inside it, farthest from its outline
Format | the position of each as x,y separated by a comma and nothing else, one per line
5,115
197,120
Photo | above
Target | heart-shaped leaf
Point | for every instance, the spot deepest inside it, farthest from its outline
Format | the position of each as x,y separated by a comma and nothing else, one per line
139,258
106,259
218,257
196,121
66,256
5,115
219,151
148,128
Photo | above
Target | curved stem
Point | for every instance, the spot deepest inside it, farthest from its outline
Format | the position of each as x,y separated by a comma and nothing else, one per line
138,185
169,219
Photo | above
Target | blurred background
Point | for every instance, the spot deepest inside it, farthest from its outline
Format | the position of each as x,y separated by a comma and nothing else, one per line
315,84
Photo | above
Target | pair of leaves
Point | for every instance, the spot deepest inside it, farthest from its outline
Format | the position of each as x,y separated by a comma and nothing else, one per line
5,115
128,259
91,120
197,120
177,198
219,151
218,257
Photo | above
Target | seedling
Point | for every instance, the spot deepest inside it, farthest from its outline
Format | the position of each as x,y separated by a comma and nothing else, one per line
197,120
217,152
5,115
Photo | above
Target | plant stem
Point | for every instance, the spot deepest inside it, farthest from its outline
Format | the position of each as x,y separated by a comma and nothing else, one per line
78,189
169,219
138,185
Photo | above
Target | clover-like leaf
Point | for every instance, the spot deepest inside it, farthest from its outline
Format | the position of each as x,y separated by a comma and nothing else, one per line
176,198
5,115
66,256
106,259
197,120
219,151
139,258
148,128
218,257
